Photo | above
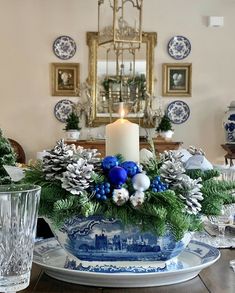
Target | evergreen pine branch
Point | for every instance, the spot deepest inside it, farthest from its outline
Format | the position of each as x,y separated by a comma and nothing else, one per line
98,178
35,174
195,223
64,204
219,185
167,198
160,211
152,168
178,224
50,193
120,158
205,175
216,193
156,211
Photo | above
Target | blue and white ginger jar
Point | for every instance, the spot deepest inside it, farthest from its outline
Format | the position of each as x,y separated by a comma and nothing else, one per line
229,123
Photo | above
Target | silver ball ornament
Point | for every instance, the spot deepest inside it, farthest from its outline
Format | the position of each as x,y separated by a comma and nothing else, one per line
141,182
120,196
137,199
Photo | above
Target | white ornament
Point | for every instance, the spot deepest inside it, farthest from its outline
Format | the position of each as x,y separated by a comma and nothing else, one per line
198,162
145,155
137,199
141,182
120,196
185,155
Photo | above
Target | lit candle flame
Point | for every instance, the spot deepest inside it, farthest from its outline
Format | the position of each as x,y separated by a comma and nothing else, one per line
122,113
121,110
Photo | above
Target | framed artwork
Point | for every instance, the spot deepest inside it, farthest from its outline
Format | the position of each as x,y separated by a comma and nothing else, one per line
177,79
65,79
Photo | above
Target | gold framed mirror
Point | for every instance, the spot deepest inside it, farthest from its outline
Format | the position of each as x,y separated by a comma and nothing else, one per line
138,87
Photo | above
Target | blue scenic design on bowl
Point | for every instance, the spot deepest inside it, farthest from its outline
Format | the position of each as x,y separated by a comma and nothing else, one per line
98,239
112,269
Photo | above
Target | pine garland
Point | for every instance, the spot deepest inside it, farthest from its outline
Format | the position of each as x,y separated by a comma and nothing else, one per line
216,193
161,211
204,175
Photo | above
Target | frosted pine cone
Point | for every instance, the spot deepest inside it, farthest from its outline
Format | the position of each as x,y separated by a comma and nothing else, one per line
190,191
170,156
172,172
78,177
194,151
90,155
55,163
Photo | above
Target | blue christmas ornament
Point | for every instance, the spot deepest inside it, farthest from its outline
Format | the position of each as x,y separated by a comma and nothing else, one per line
117,176
109,162
131,168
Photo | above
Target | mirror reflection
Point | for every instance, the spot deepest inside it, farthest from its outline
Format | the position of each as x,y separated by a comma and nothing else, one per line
120,76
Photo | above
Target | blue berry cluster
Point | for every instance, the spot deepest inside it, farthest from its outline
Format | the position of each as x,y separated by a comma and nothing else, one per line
102,191
157,185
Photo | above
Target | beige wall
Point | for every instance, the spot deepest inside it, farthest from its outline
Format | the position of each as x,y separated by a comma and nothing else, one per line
29,27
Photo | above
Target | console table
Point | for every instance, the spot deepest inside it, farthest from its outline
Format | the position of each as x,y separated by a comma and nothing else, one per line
160,145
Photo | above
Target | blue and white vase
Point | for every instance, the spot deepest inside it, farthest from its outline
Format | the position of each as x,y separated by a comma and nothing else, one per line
95,241
229,123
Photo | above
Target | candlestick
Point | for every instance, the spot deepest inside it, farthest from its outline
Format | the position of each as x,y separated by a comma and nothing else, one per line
122,137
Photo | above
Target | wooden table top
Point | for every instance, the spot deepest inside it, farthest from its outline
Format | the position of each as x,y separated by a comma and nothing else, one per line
218,278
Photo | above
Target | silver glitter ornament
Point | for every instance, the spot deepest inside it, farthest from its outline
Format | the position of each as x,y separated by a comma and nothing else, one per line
120,196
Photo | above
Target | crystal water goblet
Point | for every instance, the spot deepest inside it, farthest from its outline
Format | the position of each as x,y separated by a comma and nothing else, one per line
18,220
221,222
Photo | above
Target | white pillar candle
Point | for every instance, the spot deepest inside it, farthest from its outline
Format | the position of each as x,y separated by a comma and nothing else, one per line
122,137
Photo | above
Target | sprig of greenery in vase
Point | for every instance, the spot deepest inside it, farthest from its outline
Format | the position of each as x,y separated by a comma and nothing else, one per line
72,122
164,125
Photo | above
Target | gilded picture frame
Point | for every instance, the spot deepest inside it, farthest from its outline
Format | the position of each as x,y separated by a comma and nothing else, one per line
177,79
65,79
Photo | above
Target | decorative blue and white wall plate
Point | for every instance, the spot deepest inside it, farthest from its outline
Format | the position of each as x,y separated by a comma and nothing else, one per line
62,109
58,264
178,112
179,47
64,47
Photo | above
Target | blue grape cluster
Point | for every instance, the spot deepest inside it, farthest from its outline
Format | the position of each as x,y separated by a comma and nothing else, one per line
102,191
157,185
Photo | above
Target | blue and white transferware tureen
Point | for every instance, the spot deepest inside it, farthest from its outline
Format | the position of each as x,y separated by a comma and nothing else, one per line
95,240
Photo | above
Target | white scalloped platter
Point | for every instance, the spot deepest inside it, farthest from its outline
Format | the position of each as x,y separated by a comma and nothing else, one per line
58,264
